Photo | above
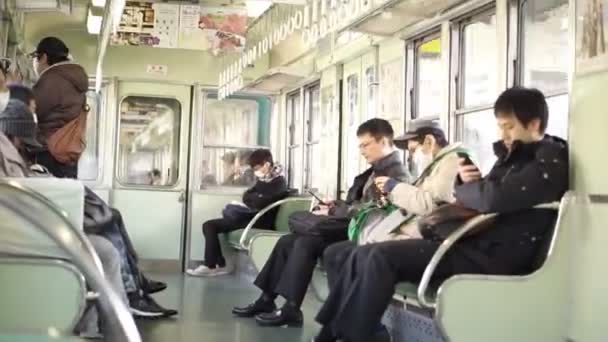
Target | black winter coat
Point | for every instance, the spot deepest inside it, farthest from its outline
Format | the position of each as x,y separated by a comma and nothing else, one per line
531,174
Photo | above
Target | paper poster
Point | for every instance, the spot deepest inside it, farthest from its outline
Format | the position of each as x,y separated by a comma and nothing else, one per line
214,29
166,25
391,80
591,36
192,27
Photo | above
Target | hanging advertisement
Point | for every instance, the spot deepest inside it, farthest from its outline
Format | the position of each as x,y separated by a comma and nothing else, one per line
213,28
591,36
191,27
147,24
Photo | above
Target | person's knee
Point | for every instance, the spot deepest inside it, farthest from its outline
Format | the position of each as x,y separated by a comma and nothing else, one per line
309,245
336,253
209,229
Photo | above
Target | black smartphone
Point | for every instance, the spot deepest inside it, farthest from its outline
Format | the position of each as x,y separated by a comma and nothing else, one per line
467,159
321,202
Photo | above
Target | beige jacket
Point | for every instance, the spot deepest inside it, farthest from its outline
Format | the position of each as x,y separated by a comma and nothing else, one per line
11,162
424,195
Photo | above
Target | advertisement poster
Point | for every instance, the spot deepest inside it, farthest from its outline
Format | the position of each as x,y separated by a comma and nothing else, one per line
148,24
191,27
591,35
391,79
214,29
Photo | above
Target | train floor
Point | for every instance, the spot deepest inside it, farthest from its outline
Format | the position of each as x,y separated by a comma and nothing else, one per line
204,306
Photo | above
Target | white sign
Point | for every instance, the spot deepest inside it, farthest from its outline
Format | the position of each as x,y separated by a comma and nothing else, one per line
318,19
157,69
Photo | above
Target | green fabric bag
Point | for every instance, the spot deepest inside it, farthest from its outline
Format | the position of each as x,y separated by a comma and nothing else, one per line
358,223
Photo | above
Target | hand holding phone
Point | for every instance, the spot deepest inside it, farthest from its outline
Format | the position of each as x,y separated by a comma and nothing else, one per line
467,170
321,202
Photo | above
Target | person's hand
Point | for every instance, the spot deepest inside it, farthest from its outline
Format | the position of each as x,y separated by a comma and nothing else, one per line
468,173
381,182
322,210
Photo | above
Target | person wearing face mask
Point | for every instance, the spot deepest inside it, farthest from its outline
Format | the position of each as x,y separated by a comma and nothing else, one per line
5,64
61,98
269,188
438,164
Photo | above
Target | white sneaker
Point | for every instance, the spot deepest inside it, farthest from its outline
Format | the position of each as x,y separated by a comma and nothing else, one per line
204,271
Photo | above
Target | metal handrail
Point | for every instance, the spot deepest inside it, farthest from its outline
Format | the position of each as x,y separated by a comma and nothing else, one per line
45,216
243,239
449,242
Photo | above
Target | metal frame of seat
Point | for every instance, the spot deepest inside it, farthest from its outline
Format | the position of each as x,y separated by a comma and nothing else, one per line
48,218
55,263
435,306
245,245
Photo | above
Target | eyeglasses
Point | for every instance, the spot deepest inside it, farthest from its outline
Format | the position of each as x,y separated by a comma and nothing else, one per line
34,54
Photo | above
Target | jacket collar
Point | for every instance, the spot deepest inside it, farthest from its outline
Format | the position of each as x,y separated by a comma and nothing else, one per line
387,161
55,66
519,148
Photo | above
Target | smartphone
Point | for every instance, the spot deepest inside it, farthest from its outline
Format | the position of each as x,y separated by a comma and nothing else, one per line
467,159
321,202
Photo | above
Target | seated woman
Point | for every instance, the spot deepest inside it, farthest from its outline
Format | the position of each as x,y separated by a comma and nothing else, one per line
269,188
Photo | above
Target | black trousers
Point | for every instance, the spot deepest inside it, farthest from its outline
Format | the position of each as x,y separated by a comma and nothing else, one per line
56,168
290,267
362,281
213,250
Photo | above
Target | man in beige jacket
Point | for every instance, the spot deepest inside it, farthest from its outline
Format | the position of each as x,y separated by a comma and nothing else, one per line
434,186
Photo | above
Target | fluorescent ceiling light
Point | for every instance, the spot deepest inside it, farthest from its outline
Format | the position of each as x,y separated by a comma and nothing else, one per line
256,8
94,23
99,3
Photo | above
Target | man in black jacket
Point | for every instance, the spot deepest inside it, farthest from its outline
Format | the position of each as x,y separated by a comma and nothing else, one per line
269,188
289,269
532,168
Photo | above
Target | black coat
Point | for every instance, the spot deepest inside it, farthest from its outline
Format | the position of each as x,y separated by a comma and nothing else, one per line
391,166
531,174
263,194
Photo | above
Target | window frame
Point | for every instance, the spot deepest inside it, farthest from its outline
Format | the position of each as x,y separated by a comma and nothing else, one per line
119,161
309,143
459,34
414,92
519,72
292,136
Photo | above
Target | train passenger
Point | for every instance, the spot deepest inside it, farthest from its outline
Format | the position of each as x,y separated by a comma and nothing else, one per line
532,168
434,186
289,269
100,219
17,132
269,188
62,105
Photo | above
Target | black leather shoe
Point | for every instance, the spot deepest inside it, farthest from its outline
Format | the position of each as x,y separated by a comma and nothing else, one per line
258,307
281,317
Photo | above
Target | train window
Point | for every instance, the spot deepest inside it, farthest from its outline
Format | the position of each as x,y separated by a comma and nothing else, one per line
429,80
314,171
558,115
544,41
149,136
231,133
479,132
544,65
295,125
88,165
479,61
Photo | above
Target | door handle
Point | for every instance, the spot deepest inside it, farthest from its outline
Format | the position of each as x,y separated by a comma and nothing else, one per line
182,197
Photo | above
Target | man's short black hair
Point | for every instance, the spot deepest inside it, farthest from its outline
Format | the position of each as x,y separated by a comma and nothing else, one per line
377,128
21,93
260,157
526,104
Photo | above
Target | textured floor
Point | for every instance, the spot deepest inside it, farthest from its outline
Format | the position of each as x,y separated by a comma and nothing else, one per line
204,305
